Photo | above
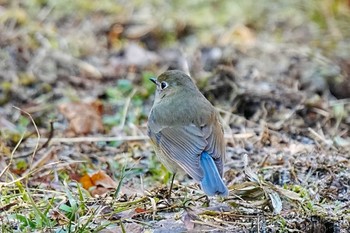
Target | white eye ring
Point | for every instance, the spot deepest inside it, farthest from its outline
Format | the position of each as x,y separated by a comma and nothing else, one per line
163,85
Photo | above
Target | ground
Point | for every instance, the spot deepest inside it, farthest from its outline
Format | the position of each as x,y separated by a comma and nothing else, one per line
75,96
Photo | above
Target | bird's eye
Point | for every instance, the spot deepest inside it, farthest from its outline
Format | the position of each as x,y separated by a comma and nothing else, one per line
163,85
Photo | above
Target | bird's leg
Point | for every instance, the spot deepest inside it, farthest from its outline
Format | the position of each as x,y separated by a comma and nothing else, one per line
171,186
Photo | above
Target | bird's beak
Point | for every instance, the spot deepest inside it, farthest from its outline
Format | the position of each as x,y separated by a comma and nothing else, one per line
153,80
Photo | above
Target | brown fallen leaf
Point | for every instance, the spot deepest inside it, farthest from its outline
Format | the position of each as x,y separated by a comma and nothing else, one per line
86,182
102,179
98,183
140,210
84,118
99,191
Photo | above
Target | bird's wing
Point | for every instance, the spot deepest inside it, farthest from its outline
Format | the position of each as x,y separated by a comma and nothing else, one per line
214,136
183,145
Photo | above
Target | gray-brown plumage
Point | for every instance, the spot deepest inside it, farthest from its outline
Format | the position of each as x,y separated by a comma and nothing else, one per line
186,131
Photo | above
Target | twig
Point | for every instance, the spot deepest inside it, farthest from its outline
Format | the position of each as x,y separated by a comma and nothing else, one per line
97,139
13,181
124,138
50,136
44,145
37,170
208,224
42,160
37,131
320,137
7,207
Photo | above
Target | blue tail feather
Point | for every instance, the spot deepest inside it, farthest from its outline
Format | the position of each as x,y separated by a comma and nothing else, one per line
212,183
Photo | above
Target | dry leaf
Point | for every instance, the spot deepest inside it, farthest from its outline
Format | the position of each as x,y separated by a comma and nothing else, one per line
98,183
86,182
83,118
139,210
102,179
99,191
289,194
248,171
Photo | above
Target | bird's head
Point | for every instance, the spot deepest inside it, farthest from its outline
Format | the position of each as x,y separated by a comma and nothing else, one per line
172,83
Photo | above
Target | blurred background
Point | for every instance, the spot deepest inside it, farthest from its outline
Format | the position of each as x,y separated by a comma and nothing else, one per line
59,51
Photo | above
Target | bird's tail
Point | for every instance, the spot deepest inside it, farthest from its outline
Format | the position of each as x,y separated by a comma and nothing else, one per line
212,183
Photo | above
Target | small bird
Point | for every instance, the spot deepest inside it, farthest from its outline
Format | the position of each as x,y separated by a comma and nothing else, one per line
186,132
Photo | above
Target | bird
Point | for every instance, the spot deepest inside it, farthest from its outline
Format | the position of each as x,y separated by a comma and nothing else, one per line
186,132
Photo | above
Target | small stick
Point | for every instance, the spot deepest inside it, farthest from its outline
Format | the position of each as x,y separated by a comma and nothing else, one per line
37,131
44,145
123,138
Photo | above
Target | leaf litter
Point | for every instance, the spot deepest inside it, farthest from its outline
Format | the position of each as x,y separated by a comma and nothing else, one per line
280,84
